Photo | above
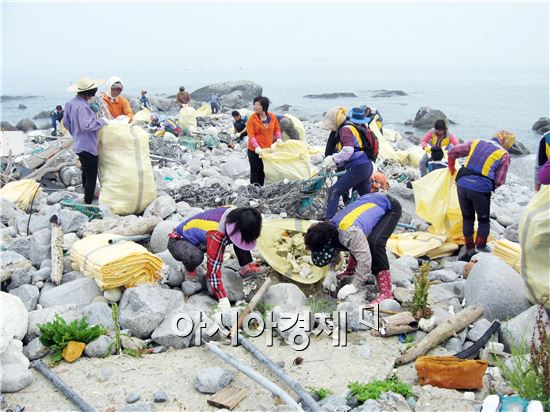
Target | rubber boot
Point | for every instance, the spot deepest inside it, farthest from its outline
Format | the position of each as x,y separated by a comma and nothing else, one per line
191,275
350,268
383,278
251,270
469,249
481,245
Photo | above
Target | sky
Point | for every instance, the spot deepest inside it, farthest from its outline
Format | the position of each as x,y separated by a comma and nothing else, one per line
48,43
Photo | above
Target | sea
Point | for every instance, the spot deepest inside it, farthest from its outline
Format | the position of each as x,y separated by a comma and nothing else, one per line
480,102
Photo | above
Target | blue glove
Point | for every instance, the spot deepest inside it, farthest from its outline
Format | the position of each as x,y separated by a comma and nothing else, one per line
95,107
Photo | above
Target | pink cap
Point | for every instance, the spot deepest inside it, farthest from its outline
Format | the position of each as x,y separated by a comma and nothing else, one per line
236,239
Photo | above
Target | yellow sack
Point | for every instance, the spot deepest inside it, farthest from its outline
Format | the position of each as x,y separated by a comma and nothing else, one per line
188,118
288,160
390,135
298,125
123,263
385,149
125,171
534,236
415,154
203,111
144,115
509,252
415,243
20,192
436,201
272,230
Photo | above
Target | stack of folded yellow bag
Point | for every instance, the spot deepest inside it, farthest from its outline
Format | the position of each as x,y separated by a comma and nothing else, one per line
509,252
123,263
20,192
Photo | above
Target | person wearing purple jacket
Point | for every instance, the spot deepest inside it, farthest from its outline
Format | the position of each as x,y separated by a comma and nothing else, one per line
83,125
544,173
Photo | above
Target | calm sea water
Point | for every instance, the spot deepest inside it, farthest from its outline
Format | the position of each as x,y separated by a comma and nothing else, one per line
480,103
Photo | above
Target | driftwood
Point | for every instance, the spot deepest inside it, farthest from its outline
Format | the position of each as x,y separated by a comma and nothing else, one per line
251,305
229,397
441,333
403,322
252,374
56,250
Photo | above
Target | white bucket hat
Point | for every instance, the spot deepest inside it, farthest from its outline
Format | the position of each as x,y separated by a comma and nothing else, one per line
85,83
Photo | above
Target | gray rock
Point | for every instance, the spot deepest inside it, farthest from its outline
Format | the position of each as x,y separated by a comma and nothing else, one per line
99,313
426,117
169,260
390,401
7,126
408,261
21,245
233,284
390,304
42,274
80,291
520,329
518,148
15,377
249,90
132,343
458,267
334,404
12,262
524,169
72,276
25,125
505,220
444,275
511,232
190,288
112,295
28,294
542,125
160,396
358,318
211,380
139,407
162,206
402,295
478,329
35,349
33,223
445,291
72,221
286,295
159,238
234,168
19,278
454,345
142,308
133,397
401,275
202,302
46,263
45,114
403,191
235,100
330,95
40,248
490,280
101,347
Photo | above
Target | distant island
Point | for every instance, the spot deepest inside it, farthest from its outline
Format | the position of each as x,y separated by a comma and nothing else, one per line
329,95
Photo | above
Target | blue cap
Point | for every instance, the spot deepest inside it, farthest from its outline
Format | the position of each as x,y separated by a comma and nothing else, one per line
357,115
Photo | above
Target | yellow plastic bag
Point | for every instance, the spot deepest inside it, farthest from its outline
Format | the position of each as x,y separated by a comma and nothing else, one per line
288,160
298,125
534,235
125,171
203,111
271,232
143,115
414,156
385,149
415,243
123,263
20,192
188,119
436,201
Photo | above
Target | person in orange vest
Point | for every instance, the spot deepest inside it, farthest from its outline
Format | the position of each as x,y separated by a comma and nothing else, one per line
263,131
485,169
117,104
438,136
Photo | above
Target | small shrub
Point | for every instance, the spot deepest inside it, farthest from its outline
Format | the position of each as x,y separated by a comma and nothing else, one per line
321,393
372,390
57,334
117,342
321,305
419,306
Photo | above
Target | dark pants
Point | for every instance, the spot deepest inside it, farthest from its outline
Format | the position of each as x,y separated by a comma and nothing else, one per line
380,235
192,255
257,175
89,175
215,107
474,203
356,177
54,122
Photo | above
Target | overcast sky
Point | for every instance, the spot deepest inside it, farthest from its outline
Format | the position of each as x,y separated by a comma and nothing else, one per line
63,40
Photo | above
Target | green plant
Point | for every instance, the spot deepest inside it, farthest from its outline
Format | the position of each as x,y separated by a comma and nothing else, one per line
321,305
263,309
58,333
410,338
419,306
528,370
117,342
321,393
132,352
372,390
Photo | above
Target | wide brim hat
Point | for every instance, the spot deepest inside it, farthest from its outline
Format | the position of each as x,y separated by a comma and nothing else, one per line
323,257
357,116
85,83
236,238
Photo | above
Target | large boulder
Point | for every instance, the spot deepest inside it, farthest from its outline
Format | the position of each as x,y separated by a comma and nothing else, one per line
80,291
7,126
518,331
488,282
426,117
45,114
25,125
162,206
99,313
68,312
159,239
101,347
286,295
248,88
143,308
235,100
13,318
162,104
28,294
232,283
519,148
524,168
542,125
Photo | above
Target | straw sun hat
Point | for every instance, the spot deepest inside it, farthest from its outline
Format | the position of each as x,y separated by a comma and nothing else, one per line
85,83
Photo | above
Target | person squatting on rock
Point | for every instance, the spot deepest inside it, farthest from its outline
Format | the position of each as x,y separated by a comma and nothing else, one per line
83,125
239,125
543,156
362,228
116,103
356,150
436,160
263,131
438,136
183,97
56,117
211,232
485,169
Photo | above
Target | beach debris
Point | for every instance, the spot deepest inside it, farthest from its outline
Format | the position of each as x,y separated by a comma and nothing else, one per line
450,372
56,251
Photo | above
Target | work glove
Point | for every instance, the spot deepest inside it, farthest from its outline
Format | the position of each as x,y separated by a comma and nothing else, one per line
329,163
329,283
346,291
274,144
428,149
94,107
259,151
224,304
107,121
